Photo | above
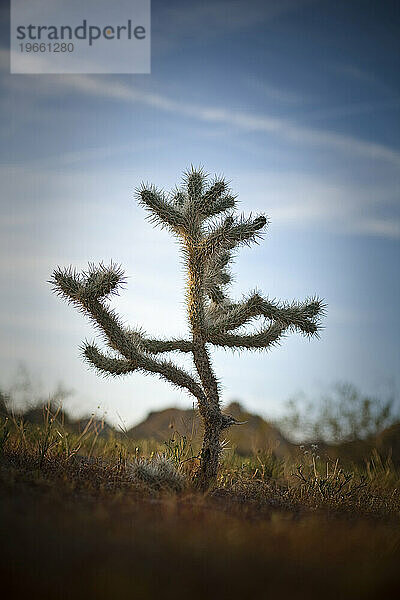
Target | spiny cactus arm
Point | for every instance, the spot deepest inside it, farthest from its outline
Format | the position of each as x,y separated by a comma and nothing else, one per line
107,365
214,311
217,276
207,202
155,346
108,323
214,281
302,316
118,340
178,198
72,286
216,200
161,210
230,233
219,206
80,289
216,294
215,192
175,375
85,290
194,181
103,280
260,340
99,281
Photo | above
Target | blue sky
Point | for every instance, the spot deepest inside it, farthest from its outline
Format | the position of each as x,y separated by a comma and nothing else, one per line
297,103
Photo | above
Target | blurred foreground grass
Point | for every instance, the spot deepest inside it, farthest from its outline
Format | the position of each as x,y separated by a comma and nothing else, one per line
88,515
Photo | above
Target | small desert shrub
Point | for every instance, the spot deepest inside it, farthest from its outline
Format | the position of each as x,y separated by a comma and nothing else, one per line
179,449
342,415
158,472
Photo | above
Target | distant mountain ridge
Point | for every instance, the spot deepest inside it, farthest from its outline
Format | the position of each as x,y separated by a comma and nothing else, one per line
255,434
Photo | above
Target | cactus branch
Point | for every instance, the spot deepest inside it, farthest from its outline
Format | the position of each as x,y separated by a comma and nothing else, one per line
260,340
107,365
232,232
162,212
71,286
154,346
301,316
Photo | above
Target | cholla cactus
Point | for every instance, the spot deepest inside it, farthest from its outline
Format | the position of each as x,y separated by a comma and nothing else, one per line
207,243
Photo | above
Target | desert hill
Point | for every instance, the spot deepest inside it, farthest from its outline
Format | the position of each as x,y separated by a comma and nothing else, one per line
255,434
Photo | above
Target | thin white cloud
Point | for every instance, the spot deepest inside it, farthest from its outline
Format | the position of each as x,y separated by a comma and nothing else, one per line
282,128
297,200
285,129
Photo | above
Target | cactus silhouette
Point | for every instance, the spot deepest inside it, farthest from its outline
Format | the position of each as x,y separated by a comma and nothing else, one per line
201,216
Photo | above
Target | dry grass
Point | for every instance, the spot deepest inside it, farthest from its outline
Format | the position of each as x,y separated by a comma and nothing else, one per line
80,520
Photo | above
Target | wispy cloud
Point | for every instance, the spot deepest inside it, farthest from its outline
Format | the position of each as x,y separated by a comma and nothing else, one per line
296,200
281,128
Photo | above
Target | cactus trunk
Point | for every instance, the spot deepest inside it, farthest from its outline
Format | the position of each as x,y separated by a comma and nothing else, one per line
209,406
209,457
211,415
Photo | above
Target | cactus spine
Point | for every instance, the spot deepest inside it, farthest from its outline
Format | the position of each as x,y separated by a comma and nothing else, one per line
201,216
